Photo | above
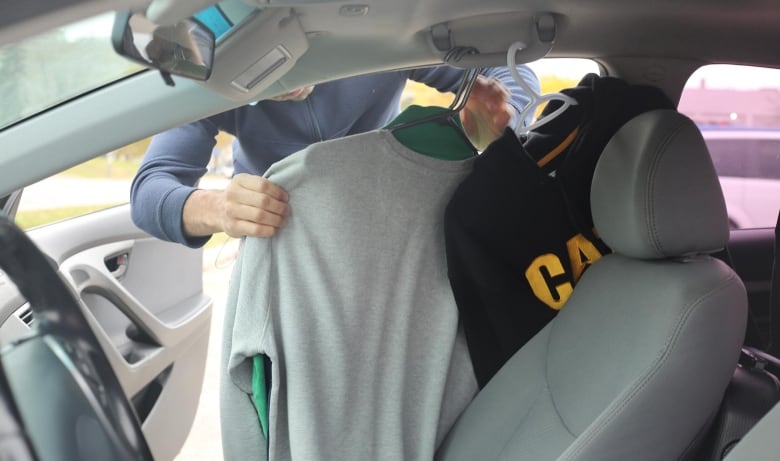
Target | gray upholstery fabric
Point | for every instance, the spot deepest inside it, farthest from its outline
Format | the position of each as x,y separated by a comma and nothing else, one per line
663,200
640,356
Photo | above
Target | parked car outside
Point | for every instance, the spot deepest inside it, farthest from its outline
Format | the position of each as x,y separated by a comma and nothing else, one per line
748,164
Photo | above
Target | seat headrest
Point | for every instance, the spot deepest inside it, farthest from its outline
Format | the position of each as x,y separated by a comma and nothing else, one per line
655,193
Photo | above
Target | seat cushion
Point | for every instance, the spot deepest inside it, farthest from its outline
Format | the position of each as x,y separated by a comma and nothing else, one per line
626,371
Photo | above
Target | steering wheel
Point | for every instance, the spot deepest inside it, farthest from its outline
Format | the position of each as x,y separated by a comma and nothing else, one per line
68,401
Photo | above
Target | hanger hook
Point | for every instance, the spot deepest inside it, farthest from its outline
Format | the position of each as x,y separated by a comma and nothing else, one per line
456,53
535,98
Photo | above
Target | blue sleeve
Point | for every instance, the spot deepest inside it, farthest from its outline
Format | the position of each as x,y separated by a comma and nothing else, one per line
443,78
446,78
519,98
171,168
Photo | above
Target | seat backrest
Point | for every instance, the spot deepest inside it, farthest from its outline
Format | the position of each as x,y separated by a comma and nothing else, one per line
637,363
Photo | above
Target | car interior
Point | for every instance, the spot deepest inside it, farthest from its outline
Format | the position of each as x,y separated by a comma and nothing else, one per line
668,349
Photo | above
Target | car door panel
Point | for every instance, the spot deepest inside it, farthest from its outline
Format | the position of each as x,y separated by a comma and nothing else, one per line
144,299
750,253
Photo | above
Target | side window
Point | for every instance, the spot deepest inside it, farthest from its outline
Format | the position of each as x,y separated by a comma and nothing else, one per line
556,74
737,109
101,183
96,184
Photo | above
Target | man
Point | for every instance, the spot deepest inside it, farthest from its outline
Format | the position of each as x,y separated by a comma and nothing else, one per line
166,203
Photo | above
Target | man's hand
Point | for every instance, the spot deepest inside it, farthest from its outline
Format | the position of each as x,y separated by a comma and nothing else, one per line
249,206
487,111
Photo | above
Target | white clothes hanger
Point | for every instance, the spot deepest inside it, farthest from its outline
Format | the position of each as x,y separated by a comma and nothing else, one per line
536,98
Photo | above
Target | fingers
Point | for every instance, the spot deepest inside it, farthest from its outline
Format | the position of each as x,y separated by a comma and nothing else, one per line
240,229
489,100
254,206
260,185
489,92
487,111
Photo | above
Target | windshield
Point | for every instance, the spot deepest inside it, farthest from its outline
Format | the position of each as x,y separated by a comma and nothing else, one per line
51,68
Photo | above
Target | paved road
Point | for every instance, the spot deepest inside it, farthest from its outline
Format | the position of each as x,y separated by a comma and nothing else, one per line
204,442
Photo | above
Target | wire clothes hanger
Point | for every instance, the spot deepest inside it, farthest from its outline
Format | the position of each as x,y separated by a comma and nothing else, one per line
536,98
458,103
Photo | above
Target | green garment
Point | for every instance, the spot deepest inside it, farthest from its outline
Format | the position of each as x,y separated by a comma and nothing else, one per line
260,391
436,138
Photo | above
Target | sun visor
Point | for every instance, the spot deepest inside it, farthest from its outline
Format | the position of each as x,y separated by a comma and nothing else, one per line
256,54
464,43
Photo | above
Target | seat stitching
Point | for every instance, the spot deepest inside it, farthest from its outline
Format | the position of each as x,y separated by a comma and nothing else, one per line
547,388
520,423
547,384
661,150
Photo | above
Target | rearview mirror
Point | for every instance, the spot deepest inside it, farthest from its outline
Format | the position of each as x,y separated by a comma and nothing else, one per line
185,48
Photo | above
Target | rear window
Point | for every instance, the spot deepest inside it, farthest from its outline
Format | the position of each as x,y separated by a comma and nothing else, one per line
737,109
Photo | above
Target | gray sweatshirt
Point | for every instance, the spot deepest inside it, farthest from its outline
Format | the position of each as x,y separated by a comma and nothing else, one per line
352,305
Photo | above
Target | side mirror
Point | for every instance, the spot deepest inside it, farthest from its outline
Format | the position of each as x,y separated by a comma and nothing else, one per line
185,48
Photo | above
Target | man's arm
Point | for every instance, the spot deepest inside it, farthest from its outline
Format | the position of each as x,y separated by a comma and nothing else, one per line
480,120
166,203
495,102
249,205
173,164
518,98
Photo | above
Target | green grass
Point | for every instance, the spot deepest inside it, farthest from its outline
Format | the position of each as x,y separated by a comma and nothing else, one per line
27,219
101,168
97,168
33,218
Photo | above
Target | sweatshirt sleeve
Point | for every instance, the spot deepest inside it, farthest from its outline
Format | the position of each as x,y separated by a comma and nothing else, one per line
446,78
172,166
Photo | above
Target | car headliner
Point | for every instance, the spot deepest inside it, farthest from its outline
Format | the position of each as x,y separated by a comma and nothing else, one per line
728,31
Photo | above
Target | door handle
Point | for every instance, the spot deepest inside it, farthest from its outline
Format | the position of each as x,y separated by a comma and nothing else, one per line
117,265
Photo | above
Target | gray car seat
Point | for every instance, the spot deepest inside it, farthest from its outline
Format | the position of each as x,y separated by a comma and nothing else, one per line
637,361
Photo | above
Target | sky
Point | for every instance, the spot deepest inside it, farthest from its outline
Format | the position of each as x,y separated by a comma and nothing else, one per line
98,26
740,77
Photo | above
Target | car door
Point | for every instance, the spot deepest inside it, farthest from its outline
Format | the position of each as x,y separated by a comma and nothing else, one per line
744,142
750,254
145,301
69,97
